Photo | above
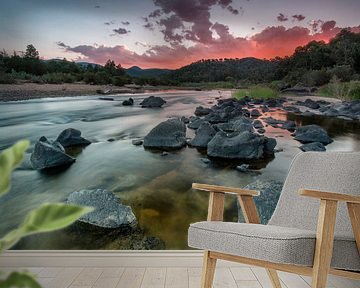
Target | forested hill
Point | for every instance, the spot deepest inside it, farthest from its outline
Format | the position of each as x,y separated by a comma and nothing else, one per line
213,70
313,64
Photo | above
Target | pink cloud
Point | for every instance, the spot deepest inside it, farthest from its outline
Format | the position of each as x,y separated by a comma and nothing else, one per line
269,43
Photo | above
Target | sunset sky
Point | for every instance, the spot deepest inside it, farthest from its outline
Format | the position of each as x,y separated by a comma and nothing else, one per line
170,33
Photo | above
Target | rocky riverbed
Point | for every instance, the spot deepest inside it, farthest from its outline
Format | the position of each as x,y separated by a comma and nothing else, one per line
146,158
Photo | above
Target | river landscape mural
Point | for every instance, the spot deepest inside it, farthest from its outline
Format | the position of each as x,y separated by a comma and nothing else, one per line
126,105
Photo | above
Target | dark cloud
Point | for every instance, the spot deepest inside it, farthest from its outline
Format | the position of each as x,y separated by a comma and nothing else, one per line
282,18
315,25
328,26
126,23
97,6
155,14
109,23
233,10
61,44
171,24
298,17
121,31
193,12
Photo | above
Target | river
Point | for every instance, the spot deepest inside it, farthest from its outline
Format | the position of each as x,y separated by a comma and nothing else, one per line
158,188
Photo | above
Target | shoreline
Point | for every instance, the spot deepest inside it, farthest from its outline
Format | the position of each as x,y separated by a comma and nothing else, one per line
28,91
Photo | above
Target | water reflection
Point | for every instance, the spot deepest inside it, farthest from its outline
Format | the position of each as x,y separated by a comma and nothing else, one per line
158,188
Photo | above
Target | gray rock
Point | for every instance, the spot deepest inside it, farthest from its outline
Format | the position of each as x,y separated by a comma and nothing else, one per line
243,168
307,114
261,131
267,200
203,135
312,133
196,123
128,102
205,160
49,155
201,111
185,119
170,134
137,142
108,213
152,102
255,113
314,146
106,98
258,124
289,125
245,145
269,145
164,153
71,137
311,104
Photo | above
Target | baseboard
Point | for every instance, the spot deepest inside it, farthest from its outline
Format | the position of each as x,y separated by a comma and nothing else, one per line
89,258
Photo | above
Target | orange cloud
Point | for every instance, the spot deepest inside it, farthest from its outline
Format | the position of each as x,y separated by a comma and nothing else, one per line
269,43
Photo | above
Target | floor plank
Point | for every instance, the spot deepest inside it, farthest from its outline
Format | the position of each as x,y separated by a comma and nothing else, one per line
177,278
224,278
263,278
87,277
64,278
132,277
194,277
154,278
293,280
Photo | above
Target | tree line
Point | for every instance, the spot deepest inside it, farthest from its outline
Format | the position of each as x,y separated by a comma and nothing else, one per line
314,64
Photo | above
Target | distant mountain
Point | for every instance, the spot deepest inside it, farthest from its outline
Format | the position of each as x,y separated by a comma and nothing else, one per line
136,71
87,64
213,70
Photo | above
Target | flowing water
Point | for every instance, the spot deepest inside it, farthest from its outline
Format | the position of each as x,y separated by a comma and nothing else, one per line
158,188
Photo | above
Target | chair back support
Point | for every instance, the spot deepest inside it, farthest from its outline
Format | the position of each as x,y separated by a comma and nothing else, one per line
324,171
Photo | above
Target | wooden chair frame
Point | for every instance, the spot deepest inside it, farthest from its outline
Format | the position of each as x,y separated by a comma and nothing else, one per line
324,235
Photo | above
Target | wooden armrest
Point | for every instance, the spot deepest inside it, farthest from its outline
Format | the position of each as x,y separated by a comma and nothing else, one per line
224,189
330,196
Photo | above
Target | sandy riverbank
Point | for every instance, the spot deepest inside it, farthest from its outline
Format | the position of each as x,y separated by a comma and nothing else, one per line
25,91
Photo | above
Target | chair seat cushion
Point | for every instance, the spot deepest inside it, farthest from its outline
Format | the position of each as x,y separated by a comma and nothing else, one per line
270,243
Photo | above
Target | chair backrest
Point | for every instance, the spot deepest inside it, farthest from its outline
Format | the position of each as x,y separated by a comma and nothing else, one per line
325,171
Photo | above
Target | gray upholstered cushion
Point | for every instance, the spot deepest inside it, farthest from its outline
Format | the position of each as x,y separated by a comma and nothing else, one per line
270,243
331,171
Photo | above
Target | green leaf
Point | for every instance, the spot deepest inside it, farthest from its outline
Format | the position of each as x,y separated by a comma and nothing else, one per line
20,280
51,217
9,159
46,218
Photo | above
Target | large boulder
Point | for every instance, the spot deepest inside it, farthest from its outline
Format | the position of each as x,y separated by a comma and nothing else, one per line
49,155
108,212
312,133
244,145
71,137
152,102
196,123
203,135
170,134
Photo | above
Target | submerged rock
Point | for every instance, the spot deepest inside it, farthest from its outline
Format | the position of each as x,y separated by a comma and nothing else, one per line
49,155
170,134
108,213
152,102
314,146
203,135
312,133
71,137
137,142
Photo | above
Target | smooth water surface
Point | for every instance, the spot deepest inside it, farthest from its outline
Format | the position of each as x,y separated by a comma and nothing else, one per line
158,188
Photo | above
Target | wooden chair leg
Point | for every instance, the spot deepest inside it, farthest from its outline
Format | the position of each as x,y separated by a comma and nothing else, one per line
324,243
274,278
208,270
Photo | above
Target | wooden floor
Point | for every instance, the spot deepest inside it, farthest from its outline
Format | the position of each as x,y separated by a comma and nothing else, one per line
150,269
169,277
